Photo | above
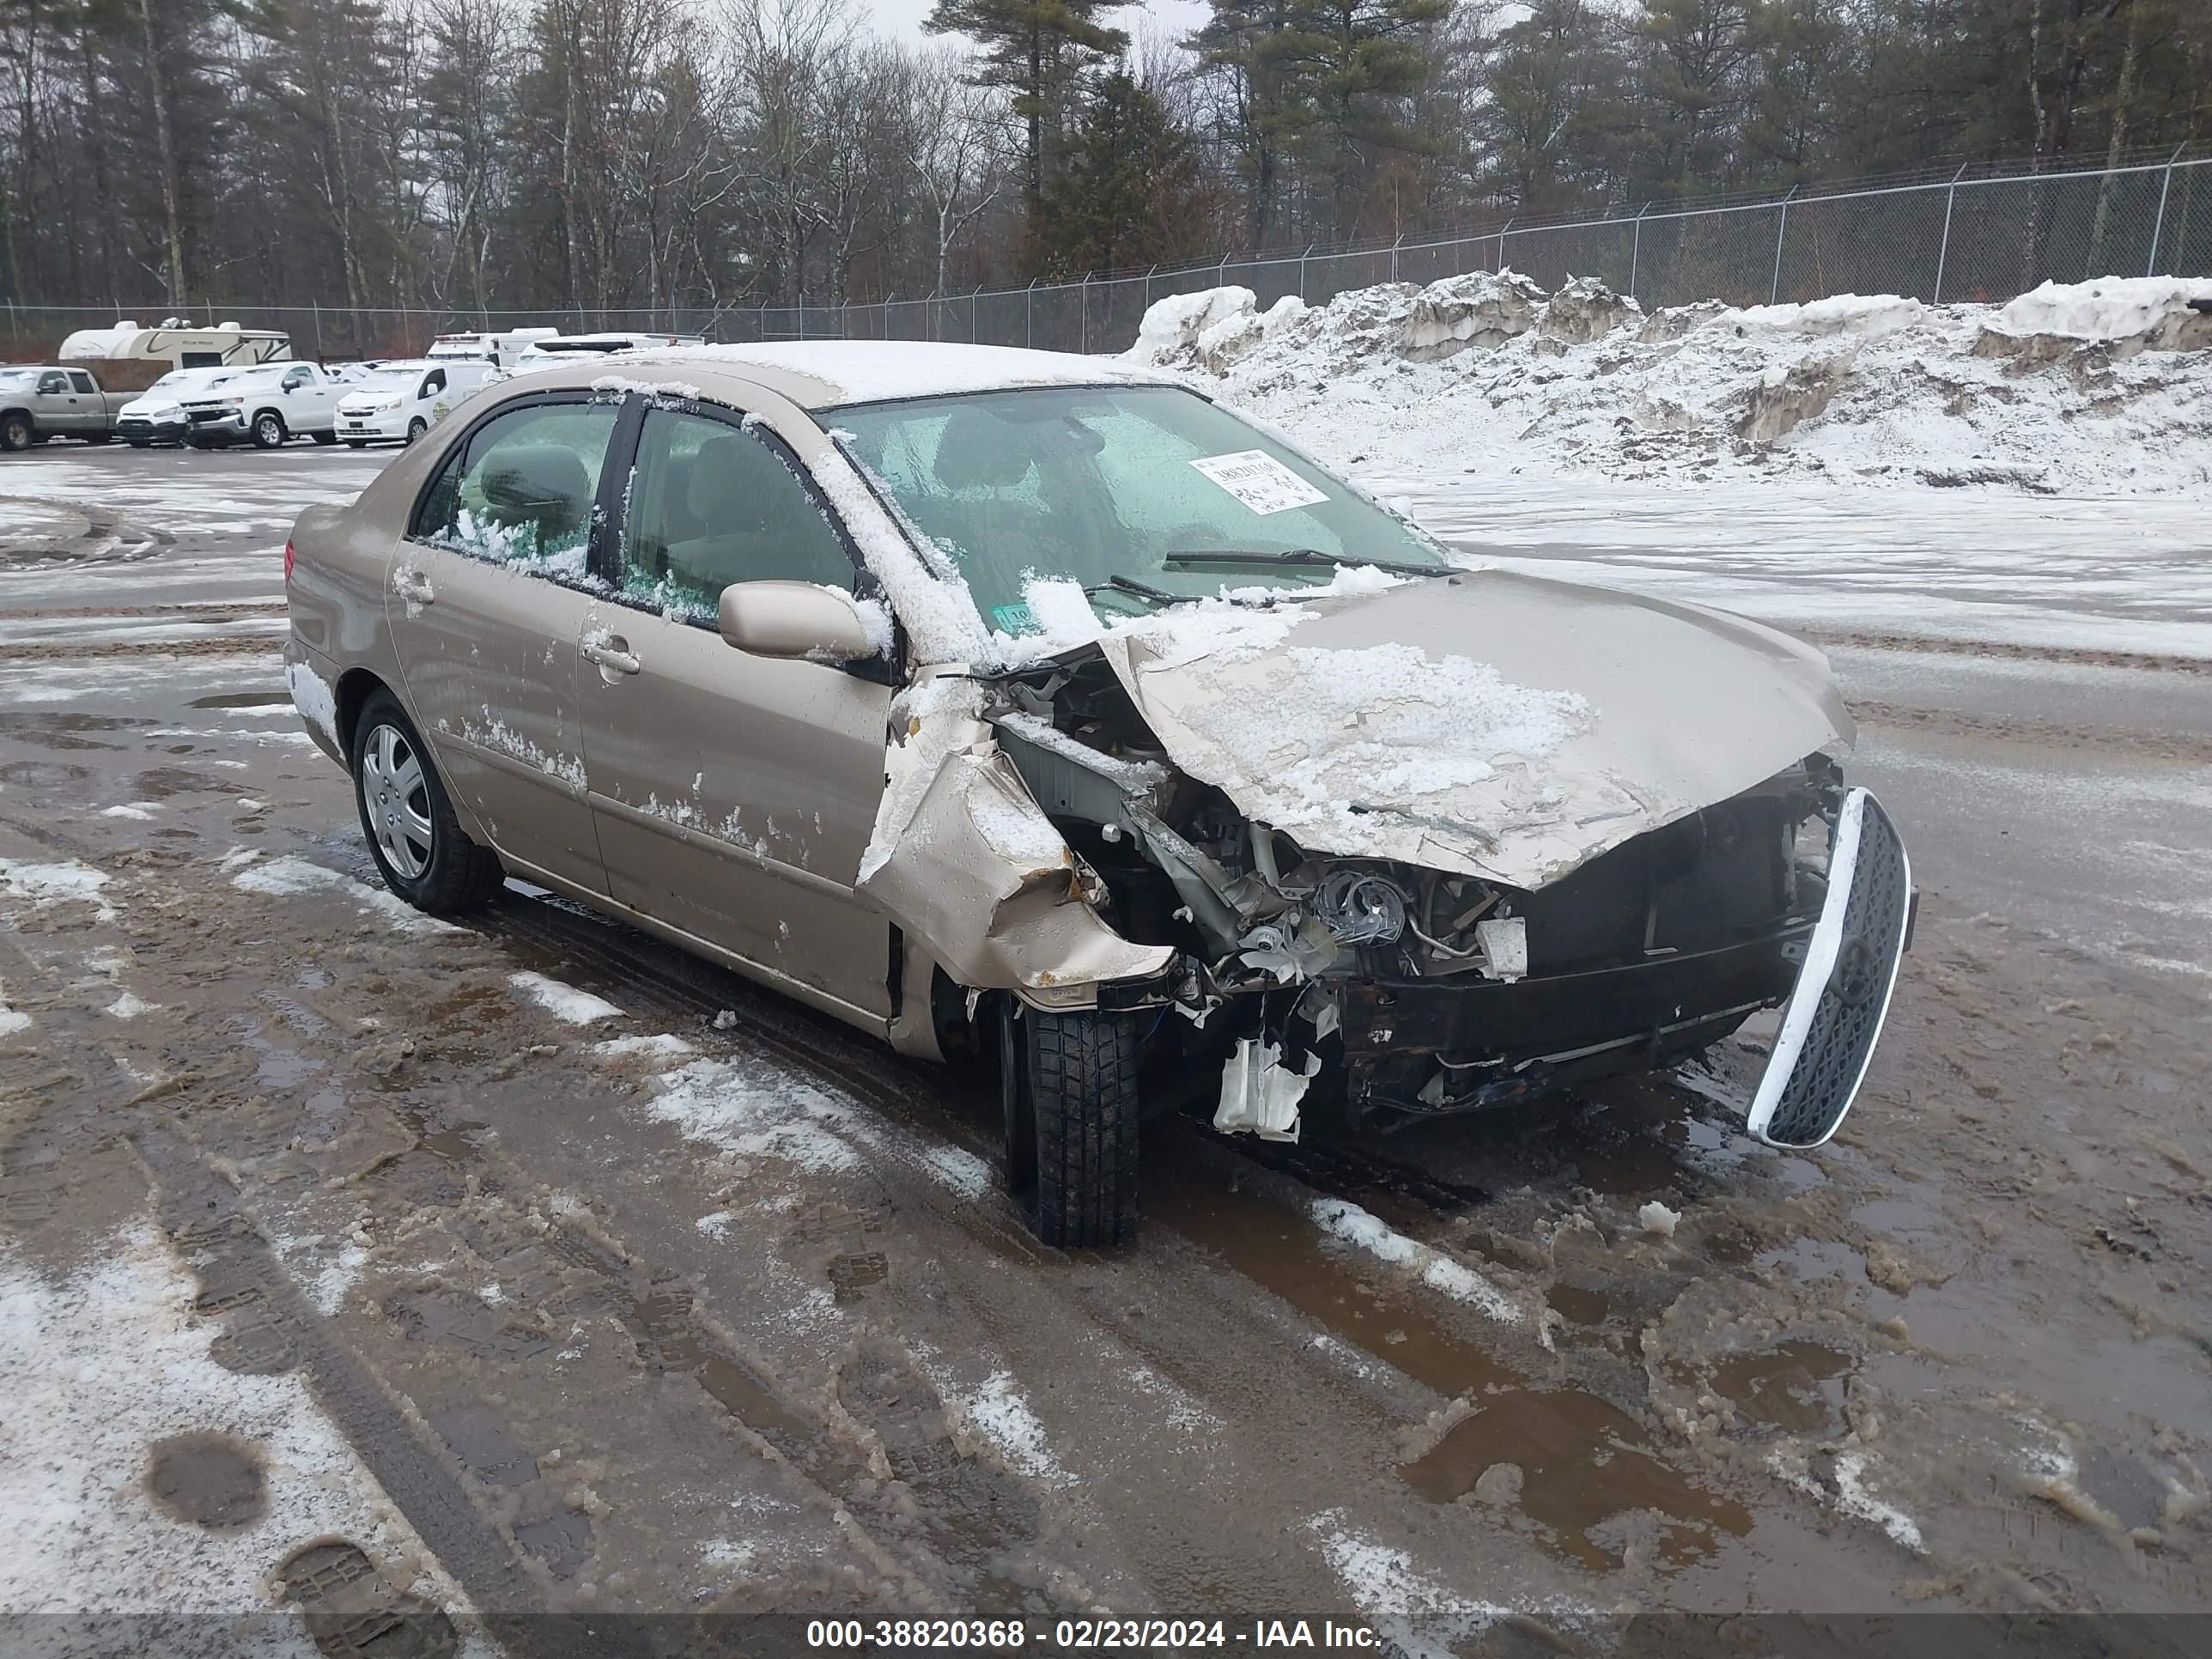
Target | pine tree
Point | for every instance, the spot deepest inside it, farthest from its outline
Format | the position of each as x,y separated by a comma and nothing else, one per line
1035,49
1124,196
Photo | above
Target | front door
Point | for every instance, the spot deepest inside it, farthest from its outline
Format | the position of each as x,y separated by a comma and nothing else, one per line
488,603
734,793
60,407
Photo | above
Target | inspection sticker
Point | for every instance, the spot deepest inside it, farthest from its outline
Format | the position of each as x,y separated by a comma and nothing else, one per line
1260,481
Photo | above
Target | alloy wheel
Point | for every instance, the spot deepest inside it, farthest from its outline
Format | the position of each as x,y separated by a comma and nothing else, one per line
398,798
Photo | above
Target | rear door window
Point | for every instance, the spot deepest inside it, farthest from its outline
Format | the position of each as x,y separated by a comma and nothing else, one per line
711,503
82,382
520,490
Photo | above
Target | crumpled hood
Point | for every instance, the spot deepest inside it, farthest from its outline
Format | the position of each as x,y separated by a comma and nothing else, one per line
1495,723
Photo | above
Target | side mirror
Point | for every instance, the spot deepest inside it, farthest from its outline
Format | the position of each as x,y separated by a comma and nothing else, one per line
794,619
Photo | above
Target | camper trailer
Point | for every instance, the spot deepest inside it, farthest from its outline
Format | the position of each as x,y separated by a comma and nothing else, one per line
129,358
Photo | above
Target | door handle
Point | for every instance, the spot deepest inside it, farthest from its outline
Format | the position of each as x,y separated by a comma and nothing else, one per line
415,587
612,651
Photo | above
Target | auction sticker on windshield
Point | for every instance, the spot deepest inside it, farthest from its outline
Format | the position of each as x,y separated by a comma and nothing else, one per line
1260,481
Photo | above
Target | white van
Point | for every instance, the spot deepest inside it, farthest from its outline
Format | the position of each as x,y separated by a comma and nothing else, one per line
399,402
501,348
568,347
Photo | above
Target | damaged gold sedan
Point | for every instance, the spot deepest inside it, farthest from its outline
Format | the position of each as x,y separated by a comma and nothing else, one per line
1074,721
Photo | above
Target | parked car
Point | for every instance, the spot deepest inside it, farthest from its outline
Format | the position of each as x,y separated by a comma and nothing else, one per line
503,349
40,401
267,405
156,415
399,402
1015,704
563,348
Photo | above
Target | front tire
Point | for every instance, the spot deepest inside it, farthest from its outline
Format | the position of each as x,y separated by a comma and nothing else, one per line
269,430
357,443
97,437
16,432
409,819
417,428
1069,1100
325,438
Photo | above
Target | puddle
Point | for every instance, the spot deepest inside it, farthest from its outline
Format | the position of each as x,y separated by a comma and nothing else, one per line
38,774
1806,1260
210,1481
563,1541
456,1143
1794,1386
162,782
278,1067
1584,1462
485,1447
242,700
1577,1306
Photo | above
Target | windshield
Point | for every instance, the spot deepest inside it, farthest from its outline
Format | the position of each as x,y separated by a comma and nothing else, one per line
391,377
17,376
1121,488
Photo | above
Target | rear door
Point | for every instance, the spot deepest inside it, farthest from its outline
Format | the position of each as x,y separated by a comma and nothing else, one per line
735,793
490,595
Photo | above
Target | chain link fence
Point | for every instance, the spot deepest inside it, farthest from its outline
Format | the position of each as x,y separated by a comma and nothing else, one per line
1985,239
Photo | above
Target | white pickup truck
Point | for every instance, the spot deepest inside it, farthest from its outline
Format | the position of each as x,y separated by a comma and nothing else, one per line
267,405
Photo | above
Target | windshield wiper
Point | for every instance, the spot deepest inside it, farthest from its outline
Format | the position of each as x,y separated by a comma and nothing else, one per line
1249,556
1120,584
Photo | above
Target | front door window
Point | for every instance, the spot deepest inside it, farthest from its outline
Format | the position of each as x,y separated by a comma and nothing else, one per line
711,504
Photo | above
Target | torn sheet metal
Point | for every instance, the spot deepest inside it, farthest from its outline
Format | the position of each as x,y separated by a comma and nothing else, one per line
979,877
1260,1094
1579,717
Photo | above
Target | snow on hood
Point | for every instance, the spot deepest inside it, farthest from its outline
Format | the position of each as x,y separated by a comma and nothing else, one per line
1494,723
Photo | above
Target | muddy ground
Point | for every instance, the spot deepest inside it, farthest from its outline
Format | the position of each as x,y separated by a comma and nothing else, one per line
695,1302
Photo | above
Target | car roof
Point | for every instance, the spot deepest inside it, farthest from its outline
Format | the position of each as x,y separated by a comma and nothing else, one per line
827,374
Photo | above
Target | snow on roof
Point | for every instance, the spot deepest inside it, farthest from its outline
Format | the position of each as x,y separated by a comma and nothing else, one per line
879,371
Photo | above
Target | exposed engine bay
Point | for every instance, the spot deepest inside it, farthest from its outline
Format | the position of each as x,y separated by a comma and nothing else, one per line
1426,991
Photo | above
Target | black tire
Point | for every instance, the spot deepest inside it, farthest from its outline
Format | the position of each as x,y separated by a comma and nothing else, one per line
357,443
417,428
269,431
457,874
139,443
97,437
1068,1089
15,430
325,438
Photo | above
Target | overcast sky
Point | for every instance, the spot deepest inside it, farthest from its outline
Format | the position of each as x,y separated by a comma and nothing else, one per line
903,18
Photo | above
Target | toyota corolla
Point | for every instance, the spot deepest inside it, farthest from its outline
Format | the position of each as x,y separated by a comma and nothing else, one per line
1038,709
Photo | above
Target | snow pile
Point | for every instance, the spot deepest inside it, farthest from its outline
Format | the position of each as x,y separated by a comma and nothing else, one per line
2121,309
564,1002
2094,388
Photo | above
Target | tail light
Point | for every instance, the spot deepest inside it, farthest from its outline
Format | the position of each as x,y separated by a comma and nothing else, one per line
287,561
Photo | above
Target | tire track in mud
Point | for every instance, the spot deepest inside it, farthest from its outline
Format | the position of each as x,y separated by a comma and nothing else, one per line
240,1274
966,1513
2154,745
2008,650
1565,1427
